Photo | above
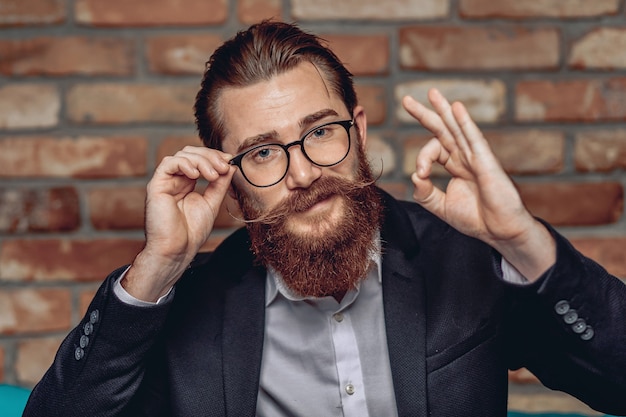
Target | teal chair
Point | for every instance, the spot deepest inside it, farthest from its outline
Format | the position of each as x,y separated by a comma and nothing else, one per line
12,400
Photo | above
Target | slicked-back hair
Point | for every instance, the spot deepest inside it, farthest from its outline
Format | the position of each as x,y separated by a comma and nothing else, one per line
263,51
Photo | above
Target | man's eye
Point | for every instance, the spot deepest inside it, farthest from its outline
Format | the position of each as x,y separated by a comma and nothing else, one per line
320,133
264,154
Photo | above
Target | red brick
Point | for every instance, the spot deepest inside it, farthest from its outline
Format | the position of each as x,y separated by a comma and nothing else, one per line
362,54
485,100
516,9
574,204
150,13
369,10
373,99
600,150
84,157
607,251
31,12
172,144
603,48
130,103
456,48
571,100
34,310
39,210
118,208
521,152
180,54
34,357
64,259
29,106
252,11
66,56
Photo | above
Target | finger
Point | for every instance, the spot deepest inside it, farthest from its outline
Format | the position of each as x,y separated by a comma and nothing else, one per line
430,153
472,133
444,109
430,120
428,196
210,165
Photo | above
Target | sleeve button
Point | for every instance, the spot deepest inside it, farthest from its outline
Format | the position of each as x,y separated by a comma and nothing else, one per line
579,326
79,353
94,316
561,307
84,341
587,334
88,328
570,317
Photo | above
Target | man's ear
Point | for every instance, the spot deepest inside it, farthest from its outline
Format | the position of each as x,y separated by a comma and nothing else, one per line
360,120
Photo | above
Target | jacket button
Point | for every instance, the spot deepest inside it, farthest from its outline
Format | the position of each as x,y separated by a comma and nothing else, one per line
94,316
88,328
570,317
579,326
84,341
588,333
79,353
561,307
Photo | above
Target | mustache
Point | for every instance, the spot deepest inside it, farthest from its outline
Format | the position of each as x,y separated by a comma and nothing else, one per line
303,199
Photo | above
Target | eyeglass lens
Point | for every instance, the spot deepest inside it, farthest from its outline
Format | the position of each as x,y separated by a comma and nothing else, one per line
325,145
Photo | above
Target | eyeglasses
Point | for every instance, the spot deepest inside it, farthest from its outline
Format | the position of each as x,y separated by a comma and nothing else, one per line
324,145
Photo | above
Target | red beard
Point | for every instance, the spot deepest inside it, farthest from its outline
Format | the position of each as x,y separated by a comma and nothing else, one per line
328,265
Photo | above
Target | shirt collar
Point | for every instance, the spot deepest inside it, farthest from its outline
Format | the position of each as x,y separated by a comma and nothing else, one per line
274,283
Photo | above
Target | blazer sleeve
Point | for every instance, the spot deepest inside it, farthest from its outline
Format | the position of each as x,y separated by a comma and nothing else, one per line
99,366
569,329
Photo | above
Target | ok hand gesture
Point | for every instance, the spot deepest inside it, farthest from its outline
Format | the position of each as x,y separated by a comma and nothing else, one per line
480,200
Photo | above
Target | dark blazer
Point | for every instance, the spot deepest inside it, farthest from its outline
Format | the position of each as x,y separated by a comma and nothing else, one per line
453,327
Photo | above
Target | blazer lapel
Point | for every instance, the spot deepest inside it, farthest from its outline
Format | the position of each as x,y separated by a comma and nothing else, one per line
404,306
244,317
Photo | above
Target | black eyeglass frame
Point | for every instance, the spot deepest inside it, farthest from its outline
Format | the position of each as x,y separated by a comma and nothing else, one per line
346,124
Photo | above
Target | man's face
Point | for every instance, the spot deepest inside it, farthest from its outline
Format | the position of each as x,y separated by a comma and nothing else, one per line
280,111
317,226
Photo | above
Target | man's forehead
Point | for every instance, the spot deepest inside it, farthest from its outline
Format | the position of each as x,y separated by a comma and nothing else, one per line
289,99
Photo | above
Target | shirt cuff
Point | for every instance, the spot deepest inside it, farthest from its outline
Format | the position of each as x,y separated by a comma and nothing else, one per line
125,297
512,275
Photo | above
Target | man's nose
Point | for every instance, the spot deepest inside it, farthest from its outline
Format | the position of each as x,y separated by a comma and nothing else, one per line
302,172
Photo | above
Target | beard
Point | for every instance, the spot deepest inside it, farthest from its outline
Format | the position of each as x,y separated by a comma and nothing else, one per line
338,256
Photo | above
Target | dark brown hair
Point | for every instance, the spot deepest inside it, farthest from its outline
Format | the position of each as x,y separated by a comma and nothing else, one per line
259,53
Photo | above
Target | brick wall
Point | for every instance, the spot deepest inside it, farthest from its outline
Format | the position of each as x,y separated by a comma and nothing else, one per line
94,93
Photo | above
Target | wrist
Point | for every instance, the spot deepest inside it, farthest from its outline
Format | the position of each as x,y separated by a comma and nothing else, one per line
150,277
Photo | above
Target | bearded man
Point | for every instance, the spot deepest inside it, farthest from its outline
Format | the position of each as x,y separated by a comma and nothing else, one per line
336,299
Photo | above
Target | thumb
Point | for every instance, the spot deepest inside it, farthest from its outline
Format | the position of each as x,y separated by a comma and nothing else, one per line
427,195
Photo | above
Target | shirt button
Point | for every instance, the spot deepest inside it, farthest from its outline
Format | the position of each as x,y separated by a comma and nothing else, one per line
561,307
338,317
350,389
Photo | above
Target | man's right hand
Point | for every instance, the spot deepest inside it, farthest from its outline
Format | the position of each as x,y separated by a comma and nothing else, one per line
178,218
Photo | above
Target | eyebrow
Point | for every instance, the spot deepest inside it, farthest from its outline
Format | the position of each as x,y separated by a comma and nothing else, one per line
273,135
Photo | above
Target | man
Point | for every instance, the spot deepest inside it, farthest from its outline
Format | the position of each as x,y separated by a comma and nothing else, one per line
336,299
